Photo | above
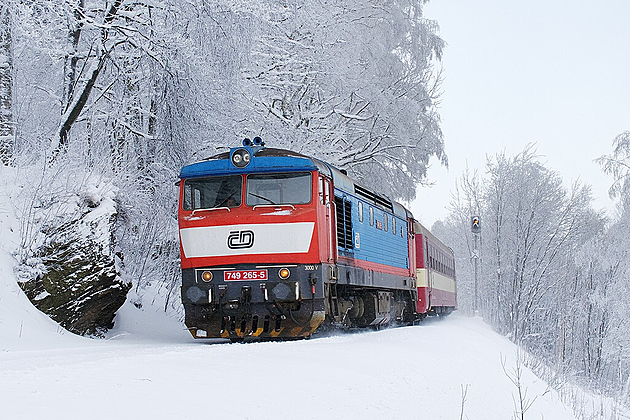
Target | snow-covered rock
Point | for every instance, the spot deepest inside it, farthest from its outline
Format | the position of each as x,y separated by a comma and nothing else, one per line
72,274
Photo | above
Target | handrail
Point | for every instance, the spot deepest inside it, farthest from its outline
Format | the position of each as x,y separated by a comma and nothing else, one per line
210,209
273,205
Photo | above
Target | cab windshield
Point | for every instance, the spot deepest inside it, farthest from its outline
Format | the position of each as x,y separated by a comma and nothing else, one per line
285,188
212,192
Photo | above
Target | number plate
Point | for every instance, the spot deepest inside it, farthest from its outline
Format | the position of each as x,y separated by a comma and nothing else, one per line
244,275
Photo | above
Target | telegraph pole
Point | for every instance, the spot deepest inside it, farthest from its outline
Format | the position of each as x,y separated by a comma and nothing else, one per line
475,228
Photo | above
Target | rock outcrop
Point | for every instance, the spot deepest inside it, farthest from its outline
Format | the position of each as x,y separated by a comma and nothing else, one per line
79,285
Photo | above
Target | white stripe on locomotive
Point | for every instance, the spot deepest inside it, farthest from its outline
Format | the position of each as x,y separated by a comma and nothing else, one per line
270,238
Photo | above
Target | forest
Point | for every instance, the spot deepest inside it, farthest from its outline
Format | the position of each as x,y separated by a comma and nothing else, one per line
552,273
102,102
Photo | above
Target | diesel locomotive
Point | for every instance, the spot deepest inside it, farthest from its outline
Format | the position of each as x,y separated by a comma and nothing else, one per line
276,244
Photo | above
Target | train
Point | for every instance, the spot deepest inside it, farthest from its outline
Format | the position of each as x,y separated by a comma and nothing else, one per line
278,245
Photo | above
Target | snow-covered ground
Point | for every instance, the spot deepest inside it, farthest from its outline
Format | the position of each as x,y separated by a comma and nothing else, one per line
150,368
413,372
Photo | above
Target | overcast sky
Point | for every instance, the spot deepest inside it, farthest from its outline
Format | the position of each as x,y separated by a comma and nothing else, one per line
555,73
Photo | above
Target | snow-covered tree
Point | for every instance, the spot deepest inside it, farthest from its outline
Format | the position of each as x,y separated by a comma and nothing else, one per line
550,274
6,85
611,357
353,83
617,164
532,224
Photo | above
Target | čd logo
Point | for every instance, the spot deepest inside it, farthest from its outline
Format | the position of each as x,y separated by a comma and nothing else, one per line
240,239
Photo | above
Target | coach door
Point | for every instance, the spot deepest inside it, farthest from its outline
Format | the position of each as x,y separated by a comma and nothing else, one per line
324,191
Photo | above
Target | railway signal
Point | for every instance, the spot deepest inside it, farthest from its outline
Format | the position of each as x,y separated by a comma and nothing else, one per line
475,225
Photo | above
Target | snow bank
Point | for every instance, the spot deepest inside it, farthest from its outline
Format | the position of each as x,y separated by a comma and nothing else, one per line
22,327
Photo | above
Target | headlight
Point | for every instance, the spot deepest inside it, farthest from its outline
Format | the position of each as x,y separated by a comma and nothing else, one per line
284,273
241,158
206,276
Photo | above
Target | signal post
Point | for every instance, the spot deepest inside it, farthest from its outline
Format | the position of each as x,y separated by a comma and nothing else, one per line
475,228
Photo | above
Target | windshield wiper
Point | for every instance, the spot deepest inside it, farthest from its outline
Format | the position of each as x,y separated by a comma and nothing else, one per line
262,198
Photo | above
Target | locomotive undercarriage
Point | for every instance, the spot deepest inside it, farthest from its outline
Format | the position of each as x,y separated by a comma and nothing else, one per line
363,307
269,308
362,298
273,321
295,307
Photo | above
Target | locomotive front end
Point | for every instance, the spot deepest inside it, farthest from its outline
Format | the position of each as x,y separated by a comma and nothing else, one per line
253,252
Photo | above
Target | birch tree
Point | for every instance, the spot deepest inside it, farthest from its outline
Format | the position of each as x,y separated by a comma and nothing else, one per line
614,346
554,277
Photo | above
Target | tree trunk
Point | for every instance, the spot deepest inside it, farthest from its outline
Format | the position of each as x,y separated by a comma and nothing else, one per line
72,59
6,83
76,107
75,110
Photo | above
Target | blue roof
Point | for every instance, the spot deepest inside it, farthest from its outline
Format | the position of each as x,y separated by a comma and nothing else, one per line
222,165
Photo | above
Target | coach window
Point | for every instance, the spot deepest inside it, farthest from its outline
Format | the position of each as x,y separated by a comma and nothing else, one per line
360,207
394,225
386,222
371,216
285,188
188,197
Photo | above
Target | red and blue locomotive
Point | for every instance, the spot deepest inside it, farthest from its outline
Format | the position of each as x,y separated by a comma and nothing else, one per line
275,244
